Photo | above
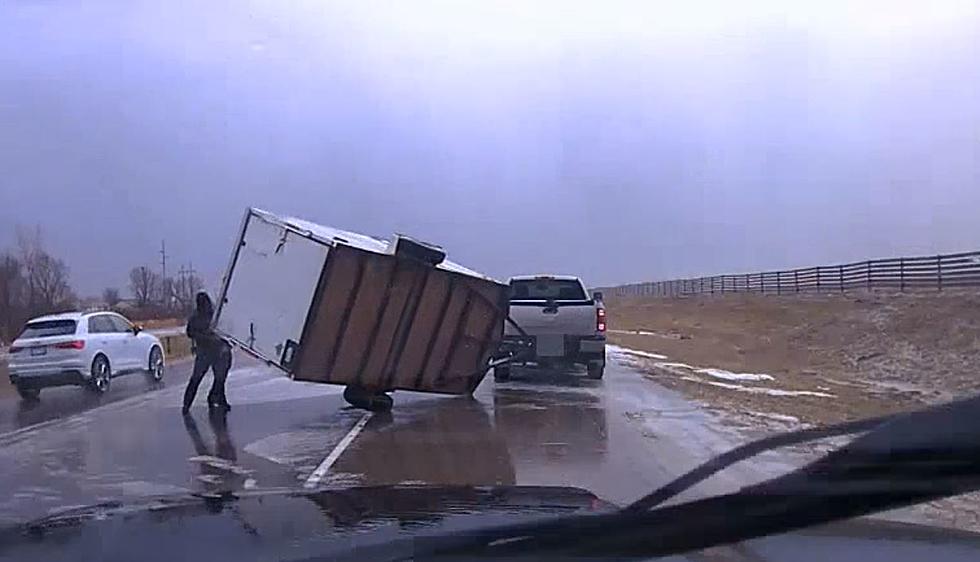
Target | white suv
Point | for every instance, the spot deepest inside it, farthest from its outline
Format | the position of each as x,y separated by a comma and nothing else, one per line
85,349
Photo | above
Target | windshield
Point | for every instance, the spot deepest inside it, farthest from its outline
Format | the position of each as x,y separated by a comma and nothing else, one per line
547,289
47,328
499,248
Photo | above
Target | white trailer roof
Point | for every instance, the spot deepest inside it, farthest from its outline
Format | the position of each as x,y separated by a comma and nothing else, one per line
332,236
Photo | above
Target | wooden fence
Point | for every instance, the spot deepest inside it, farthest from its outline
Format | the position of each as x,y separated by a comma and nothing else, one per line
902,274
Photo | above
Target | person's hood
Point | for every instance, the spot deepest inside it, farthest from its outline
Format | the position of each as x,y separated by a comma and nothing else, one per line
368,523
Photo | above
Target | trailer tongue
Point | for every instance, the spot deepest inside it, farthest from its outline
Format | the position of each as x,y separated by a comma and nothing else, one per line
330,306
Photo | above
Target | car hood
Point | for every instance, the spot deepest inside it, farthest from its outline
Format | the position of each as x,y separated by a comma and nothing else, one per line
364,523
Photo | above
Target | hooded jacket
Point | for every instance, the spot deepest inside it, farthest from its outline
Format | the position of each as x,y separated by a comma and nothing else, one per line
199,327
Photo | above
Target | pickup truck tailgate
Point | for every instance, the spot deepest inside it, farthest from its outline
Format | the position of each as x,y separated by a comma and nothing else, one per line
540,318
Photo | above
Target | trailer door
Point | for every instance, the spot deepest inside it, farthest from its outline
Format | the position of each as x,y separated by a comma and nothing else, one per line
269,289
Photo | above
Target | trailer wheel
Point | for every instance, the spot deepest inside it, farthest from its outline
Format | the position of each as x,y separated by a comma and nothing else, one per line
365,399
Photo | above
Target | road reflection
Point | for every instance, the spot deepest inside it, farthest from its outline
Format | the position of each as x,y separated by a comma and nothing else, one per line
219,471
448,441
61,402
549,416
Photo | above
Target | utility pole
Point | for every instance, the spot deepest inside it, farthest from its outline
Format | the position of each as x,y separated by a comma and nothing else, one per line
163,257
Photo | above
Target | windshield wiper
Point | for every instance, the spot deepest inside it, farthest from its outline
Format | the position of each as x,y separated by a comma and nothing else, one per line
898,461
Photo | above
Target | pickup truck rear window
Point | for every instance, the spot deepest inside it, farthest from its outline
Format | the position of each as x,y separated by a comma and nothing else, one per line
47,328
547,289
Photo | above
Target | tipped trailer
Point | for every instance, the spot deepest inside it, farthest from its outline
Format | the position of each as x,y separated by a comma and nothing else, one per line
330,306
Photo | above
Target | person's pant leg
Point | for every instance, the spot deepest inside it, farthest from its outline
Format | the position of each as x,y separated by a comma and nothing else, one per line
202,362
220,368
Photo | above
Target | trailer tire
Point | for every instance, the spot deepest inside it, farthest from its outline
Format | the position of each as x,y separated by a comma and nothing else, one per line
365,399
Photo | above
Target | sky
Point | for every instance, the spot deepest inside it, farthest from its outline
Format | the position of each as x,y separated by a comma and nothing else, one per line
619,141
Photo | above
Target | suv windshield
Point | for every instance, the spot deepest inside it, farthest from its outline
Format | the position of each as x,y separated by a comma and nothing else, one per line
546,289
47,328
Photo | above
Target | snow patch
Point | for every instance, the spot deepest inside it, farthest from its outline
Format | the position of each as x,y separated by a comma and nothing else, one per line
777,417
758,390
635,332
672,365
615,349
730,376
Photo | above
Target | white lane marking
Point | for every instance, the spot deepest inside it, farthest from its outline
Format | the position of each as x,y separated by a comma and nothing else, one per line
321,471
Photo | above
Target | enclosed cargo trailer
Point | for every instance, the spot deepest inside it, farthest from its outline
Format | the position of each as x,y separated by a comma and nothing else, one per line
331,306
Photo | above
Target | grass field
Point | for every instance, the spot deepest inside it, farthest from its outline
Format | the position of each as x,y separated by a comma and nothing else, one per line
772,363
874,353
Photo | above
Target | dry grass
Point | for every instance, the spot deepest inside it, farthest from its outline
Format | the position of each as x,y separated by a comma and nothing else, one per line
157,323
876,353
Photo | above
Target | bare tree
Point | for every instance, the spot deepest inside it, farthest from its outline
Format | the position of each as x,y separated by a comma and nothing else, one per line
12,296
111,296
46,276
144,284
186,288
166,294
49,280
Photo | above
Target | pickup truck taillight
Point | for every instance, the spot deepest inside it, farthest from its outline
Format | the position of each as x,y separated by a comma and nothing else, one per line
75,344
600,319
15,349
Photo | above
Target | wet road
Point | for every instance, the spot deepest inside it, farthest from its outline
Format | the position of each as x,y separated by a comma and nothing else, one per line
60,402
619,438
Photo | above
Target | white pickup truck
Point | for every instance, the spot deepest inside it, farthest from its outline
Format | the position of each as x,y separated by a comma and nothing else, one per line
562,325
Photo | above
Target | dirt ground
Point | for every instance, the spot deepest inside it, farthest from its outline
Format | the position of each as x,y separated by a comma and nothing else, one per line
770,363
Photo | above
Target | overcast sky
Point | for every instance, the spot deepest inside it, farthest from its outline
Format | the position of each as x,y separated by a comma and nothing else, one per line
618,141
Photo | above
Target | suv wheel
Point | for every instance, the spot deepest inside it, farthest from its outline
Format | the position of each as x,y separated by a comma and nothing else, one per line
156,366
101,375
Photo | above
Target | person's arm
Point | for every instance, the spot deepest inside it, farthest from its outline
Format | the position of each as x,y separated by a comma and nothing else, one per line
194,327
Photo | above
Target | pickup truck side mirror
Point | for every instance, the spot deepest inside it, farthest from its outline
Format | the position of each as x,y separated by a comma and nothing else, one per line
597,296
137,329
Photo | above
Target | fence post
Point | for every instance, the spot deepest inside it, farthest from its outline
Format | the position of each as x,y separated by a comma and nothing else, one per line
939,273
901,275
840,273
779,282
869,274
818,279
796,280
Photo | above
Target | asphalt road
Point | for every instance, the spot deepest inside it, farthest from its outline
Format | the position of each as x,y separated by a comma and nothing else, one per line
619,438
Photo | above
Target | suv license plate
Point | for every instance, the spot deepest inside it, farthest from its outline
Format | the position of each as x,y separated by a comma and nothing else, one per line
38,350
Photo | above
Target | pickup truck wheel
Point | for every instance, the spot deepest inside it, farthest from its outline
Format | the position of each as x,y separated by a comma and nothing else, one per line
596,370
29,394
501,373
